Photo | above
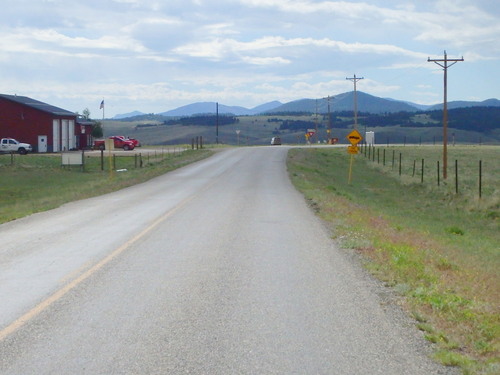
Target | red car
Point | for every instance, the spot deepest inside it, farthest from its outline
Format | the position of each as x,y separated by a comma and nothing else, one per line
119,143
123,138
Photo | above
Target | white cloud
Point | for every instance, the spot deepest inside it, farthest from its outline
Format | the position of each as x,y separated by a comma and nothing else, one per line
161,54
33,40
152,21
458,23
266,60
220,48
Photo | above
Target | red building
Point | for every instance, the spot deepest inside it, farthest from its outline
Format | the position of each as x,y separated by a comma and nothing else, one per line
45,127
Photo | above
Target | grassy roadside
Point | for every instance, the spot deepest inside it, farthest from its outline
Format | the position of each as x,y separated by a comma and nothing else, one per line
34,183
438,249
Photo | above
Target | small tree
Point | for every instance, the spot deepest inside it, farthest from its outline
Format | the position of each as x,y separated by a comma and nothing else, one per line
86,114
97,130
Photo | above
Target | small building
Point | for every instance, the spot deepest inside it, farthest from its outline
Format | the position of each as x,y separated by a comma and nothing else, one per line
46,127
370,138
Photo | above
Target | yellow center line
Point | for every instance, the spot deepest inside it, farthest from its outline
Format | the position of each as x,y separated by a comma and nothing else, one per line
74,273
18,323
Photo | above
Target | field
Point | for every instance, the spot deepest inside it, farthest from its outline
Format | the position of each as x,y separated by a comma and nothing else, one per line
258,130
34,183
437,248
254,130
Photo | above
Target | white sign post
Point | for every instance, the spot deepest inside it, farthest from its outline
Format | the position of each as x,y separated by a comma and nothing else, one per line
238,135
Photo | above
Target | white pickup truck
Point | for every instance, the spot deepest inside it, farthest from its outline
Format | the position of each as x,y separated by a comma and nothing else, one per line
11,145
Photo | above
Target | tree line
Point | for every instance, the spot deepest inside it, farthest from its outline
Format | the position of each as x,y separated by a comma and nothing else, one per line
203,120
479,119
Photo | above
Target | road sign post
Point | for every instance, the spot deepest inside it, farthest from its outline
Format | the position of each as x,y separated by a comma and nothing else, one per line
354,138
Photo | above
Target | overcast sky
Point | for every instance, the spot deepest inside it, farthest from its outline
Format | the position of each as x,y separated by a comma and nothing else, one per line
156,55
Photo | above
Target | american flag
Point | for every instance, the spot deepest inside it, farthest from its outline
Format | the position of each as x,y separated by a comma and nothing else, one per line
102,105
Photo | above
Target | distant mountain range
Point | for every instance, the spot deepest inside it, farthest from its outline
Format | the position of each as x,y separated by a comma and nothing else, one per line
342,102
210,107
127,115
464,104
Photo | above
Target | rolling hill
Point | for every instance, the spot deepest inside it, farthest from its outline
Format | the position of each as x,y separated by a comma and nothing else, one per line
345,102
342,102
466,104
210,107
128,115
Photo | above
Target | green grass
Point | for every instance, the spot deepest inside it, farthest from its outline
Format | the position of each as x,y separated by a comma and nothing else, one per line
34,183
439,249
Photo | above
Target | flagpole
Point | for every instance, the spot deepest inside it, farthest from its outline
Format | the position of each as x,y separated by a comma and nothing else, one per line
102,107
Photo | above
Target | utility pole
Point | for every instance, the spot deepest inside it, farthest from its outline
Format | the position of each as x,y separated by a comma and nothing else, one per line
355,79
329,131
445,64
316,122
217,123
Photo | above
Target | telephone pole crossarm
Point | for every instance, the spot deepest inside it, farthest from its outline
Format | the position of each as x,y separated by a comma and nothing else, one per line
446,60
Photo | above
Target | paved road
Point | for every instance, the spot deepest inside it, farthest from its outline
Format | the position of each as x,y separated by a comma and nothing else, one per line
216,268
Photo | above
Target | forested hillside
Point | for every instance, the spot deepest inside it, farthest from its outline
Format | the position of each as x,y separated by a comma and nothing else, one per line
479,119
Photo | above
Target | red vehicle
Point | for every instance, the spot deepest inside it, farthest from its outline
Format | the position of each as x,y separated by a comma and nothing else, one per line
122,137
119,143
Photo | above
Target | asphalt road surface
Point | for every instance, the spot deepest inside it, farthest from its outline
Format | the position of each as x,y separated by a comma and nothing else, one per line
217,268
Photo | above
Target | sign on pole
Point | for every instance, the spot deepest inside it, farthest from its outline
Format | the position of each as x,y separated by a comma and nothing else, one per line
354,137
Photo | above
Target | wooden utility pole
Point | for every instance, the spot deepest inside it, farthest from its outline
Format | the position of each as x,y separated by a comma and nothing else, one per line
316,122
355,80
217,123
329,131
445,64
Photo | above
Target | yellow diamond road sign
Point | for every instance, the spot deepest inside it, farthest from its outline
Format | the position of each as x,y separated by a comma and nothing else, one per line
354,137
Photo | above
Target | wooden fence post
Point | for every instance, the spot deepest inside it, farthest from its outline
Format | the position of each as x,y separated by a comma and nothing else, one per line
422,179
438,173
480,178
